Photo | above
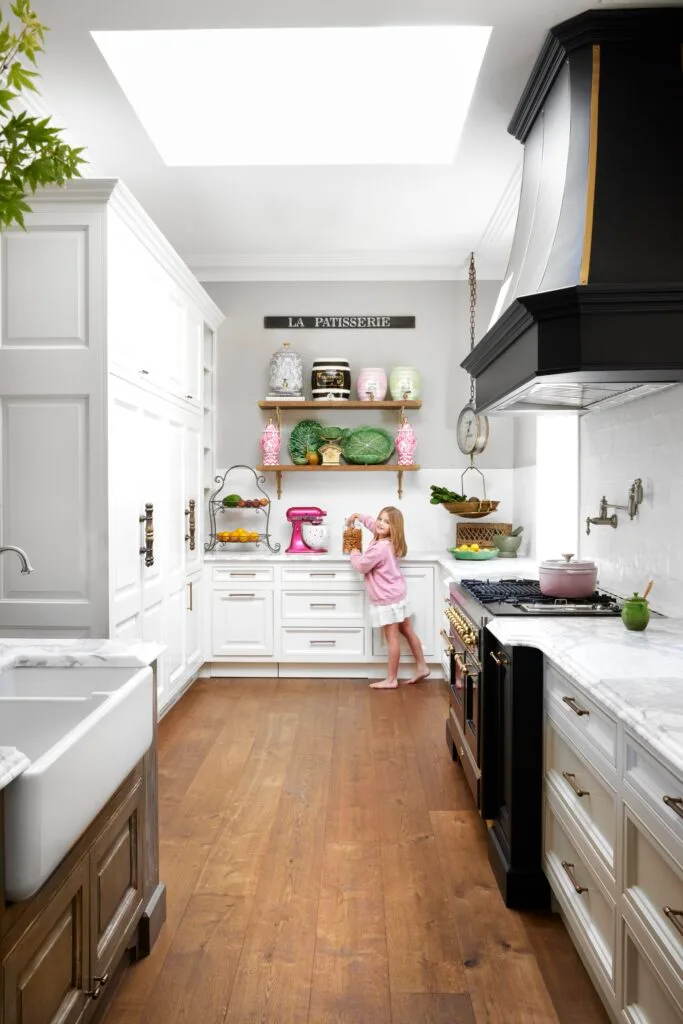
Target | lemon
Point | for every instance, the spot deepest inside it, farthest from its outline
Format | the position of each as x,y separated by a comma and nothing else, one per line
474,547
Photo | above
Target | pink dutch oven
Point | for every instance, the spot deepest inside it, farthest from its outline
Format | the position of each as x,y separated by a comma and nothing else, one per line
564,578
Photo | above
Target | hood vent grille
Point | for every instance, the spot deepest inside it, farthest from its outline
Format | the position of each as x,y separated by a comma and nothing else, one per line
545,396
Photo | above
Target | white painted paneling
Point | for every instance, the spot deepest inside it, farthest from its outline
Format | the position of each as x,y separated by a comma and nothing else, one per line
192,461
125,508
45,472
242,622
46,287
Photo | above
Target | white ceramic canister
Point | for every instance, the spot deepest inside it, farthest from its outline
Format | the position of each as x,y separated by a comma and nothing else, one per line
372,384
404,382
286,375
331,378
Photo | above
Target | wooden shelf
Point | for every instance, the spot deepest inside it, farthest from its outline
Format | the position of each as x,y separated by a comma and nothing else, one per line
272,403
346,468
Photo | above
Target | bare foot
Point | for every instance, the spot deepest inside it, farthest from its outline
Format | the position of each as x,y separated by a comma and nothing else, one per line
385,684
423,672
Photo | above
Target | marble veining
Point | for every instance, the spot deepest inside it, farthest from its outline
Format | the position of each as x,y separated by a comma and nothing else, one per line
65,654
637,677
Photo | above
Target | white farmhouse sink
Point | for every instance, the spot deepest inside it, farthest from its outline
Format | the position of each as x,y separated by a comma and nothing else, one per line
84,730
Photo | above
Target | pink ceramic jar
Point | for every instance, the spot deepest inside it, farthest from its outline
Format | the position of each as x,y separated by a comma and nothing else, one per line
372,384
270,445
564,578
405,444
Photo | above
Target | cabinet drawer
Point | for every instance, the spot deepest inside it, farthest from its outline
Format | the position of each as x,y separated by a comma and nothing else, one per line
659,789
567,705
646,1000
590,801
246,574
323,644
323,604
323,575
653,889
45,979
591,909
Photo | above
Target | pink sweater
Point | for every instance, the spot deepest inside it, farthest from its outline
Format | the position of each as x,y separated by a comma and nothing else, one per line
383,577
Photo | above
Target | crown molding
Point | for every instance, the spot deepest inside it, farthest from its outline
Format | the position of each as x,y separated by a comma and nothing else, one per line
425,265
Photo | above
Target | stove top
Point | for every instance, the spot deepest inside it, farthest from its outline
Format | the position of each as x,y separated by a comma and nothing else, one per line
524,597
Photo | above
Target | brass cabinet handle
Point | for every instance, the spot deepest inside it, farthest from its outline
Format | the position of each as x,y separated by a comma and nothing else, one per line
148,520
675,803
462,665
499,658
192,523
241,595
447,641
571,779
322,643
189,607
676,918
242,574
99,985
569,868
576,708
322,605
327,574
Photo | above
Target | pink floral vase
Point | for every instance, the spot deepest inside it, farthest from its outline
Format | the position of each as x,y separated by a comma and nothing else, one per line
406,442
270,444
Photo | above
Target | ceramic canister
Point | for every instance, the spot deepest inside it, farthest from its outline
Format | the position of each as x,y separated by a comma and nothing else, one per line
371,384
331,378
286,372
404,382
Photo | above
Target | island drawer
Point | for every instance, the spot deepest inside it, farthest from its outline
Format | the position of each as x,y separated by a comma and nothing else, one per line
569,707
658,792
322,644
325,604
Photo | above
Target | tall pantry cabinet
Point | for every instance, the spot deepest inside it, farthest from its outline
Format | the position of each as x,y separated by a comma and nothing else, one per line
106,392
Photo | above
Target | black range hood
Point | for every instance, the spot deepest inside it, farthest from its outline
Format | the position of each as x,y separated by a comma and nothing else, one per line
591,309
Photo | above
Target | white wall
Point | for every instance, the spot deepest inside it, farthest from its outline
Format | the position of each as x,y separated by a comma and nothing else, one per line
639,439
524,500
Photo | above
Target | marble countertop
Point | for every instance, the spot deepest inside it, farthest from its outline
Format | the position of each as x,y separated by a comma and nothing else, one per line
65,654
638,677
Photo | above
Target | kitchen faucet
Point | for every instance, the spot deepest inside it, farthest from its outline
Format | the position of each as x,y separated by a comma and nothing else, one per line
635,498
26,566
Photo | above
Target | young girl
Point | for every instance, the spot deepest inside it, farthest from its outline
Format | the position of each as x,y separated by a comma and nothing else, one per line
386,589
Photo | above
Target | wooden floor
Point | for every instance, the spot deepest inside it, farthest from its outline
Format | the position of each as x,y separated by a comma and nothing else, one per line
324,863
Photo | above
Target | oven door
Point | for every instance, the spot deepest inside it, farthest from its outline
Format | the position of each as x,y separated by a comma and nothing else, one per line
455,682
467,676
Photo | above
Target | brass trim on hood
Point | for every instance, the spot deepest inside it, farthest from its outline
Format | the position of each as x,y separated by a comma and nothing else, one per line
592,167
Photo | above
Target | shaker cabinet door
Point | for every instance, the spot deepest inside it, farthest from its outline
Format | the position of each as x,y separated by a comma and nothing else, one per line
45,977
242,623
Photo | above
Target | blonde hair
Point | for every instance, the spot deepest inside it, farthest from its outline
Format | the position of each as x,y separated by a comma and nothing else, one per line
396,530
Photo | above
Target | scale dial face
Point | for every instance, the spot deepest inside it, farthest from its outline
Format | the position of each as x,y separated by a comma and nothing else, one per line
473,431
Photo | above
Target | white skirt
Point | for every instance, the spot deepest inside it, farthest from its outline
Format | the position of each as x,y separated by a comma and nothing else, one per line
385,614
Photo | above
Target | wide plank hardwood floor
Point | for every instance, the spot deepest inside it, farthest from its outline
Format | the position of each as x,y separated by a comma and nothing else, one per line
324,863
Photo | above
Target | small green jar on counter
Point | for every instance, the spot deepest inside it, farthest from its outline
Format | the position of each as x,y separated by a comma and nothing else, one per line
636,613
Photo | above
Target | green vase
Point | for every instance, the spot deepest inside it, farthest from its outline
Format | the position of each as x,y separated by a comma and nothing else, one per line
635,614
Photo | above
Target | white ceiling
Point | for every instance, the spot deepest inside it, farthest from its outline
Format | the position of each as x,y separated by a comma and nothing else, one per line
256,223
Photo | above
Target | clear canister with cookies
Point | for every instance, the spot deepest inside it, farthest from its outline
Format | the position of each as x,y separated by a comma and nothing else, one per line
352,538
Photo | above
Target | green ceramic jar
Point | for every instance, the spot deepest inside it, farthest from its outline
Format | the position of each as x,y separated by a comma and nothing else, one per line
636,613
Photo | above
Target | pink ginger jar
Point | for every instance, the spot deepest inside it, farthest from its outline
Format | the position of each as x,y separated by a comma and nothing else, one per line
406,442
372,384
270,443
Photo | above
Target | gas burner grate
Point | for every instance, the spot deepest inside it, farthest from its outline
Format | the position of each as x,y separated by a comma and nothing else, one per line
502,591
527,595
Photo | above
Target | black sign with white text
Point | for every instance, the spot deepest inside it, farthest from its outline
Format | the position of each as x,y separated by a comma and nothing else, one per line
337,323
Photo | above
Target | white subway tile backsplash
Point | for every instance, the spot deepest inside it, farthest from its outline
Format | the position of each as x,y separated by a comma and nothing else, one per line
640,439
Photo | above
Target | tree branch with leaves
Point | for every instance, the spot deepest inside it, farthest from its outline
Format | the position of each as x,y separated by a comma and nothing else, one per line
32,152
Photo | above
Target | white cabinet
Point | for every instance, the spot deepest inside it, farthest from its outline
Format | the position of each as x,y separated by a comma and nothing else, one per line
420,584
613,854
103,346
242,622
194,645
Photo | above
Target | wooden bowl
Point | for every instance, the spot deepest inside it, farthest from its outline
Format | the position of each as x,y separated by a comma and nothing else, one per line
471,509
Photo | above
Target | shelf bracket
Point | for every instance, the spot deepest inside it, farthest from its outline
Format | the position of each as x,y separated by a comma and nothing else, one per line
400,483
278,480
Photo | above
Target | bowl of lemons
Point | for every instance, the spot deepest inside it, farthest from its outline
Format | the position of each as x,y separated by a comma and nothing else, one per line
474,552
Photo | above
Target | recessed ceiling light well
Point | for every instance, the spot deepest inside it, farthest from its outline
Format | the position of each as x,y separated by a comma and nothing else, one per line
226,97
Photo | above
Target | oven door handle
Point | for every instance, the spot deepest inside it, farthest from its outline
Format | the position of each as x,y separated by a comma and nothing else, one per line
462,665
449,648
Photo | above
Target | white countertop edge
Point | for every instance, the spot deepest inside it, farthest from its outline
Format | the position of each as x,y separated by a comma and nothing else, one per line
12,763
58,653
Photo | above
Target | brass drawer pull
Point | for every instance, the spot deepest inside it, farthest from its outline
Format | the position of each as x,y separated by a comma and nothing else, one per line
322,605
675,803
462,665
148,520
252,574
99,985
448,646
571,779
189,607
576,708
192,522
328,575
569,868
499,658
676,918
322,643
241,595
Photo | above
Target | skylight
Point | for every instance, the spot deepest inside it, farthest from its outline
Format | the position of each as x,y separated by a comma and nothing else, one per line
212,98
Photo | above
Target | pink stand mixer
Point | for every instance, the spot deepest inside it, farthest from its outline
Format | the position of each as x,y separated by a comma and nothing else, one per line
309,533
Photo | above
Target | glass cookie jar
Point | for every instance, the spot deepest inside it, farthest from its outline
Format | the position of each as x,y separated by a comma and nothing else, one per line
286,377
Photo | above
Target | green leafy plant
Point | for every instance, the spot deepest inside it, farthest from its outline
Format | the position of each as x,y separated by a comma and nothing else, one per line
32,153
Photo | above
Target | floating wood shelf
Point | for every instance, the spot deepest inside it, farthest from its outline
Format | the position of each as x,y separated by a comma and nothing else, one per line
272,403
346,468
